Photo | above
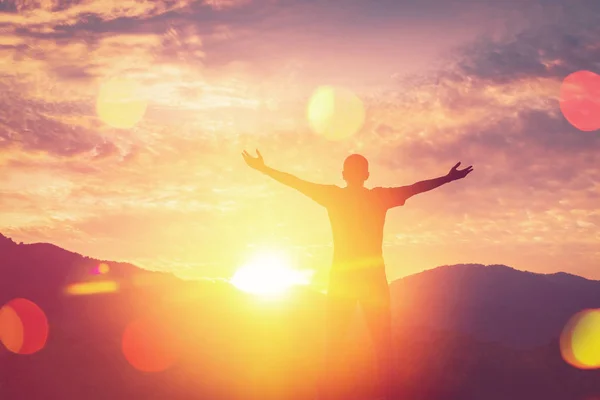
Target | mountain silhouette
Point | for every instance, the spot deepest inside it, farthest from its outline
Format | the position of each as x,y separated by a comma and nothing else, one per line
494,303
461,332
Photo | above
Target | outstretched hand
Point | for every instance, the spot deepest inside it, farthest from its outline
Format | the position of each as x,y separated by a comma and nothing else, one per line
254,162
456,173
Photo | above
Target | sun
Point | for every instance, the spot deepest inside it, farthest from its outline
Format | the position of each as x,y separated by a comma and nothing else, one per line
268,274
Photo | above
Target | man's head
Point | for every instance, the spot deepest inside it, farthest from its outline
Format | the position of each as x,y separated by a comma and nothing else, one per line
356,170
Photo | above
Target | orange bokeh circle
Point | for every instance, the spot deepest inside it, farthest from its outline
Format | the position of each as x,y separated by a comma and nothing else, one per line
23,326
149,345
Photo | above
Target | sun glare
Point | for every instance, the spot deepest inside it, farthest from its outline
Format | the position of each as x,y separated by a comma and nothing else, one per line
268,274
120,103
335,113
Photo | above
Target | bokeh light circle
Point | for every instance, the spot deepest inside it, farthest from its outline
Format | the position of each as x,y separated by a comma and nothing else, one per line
120,103
101,269
149,345
11,329
580,100
335,113
580,340
23,326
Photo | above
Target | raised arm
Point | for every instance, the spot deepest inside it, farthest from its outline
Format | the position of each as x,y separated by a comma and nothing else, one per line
319,193
454,174
397,196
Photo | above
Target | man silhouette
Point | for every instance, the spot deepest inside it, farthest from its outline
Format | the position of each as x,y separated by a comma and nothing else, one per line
357,275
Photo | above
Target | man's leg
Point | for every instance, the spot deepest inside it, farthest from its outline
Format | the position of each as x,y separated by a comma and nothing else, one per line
340,310
377,312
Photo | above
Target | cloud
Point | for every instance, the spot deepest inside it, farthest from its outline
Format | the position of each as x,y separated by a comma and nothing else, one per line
67,12
553,51
26,127
495,96
225,4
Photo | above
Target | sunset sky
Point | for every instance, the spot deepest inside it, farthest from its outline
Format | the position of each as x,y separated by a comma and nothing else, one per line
441,81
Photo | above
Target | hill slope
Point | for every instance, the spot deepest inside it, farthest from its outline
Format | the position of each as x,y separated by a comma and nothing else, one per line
462,332
493,303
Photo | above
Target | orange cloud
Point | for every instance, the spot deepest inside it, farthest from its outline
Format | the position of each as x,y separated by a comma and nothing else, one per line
50,11
224,4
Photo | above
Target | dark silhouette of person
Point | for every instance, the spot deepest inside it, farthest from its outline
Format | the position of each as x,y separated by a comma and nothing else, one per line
357,275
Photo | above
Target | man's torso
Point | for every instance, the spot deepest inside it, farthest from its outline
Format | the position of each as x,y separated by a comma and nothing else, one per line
357,218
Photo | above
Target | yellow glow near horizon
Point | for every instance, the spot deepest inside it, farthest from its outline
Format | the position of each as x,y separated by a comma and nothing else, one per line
87,288
120,103
335,113
268,274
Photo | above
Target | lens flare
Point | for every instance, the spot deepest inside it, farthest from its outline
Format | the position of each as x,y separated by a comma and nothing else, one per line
580,340
11,329
23,326
87,288
335,113
580,100
101,269
149,345
120,103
